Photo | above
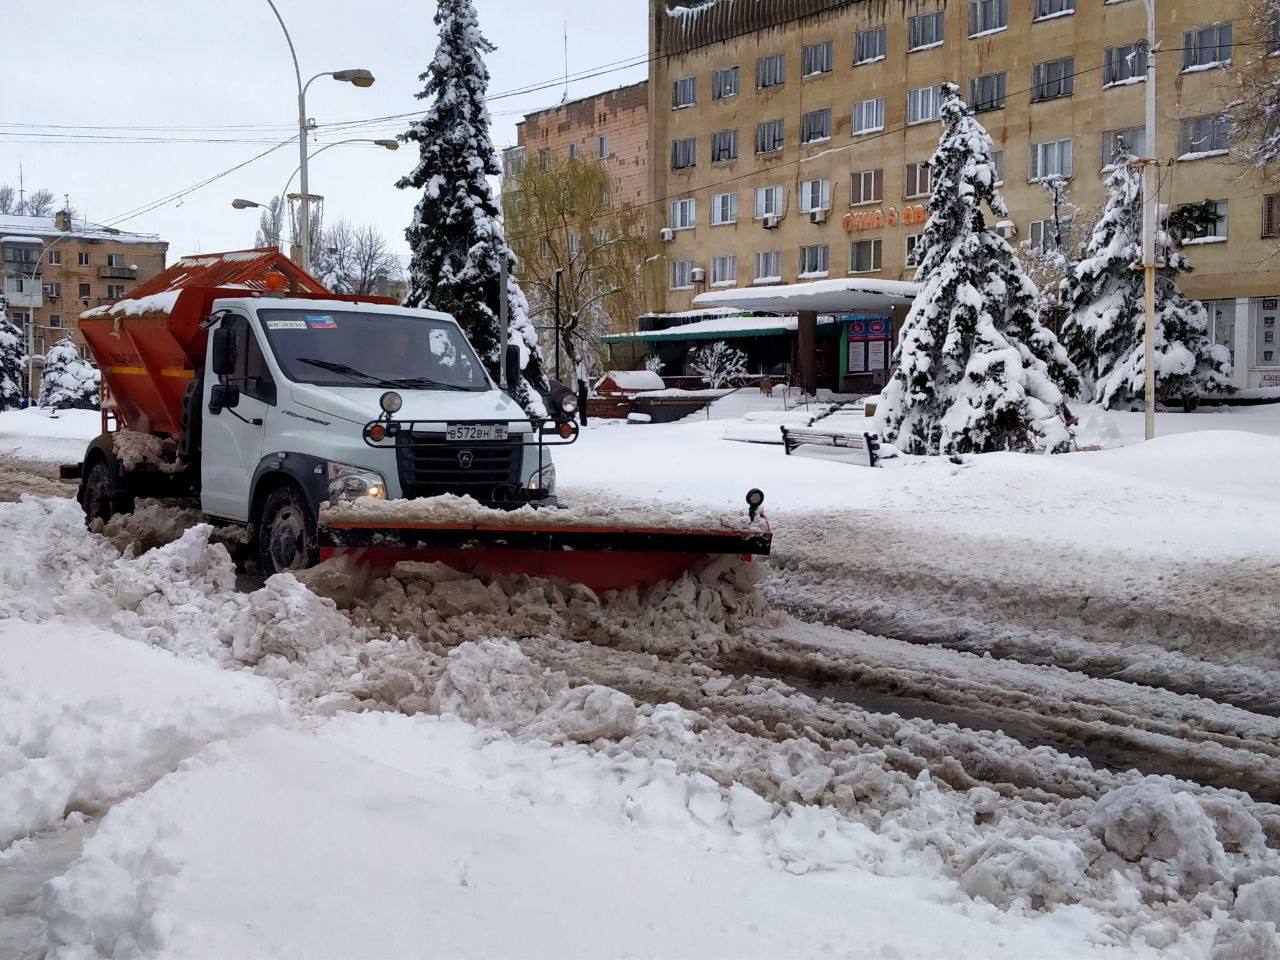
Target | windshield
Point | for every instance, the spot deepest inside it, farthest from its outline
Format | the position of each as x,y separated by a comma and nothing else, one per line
346,348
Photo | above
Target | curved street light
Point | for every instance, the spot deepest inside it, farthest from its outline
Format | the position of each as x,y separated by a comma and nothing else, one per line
357,77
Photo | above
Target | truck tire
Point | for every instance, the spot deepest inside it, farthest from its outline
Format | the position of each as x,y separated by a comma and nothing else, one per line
104,497
286,533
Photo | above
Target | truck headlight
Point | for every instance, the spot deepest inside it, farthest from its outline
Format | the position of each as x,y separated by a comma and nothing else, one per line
544,479
569,404
347,482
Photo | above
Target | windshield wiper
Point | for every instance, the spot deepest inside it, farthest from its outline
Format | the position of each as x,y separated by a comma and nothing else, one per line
348,370
416,382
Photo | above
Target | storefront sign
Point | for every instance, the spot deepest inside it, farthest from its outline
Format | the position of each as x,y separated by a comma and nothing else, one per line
854,221
870,328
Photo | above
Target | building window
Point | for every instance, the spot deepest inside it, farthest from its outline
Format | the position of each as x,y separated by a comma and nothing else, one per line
768,202
724,83
1044,236
685,93
1271,215
1050,159
815,125
924,31
815,195
1127,64
84,352
816,58
684,153
864,256
115,259
1215,232
997,162
987,92
769,136
82,259
724,271
768,266
602,147
1209,135
544,158
682,275
1053,79
1222,324
1206,47
1273,32
1053,8
53,289
683,214
39,344
871,45
866,186
55,257
771,71
724,209
573,151
923,104
815,261
987,16
84,291
115,291
1130,141
917,180
55,320
868,116
913,249
724,145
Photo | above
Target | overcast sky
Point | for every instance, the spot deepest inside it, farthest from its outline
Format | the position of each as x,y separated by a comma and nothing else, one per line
221,70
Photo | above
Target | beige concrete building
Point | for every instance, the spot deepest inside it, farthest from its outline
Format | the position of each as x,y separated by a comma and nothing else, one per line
788,137
612,126
54,269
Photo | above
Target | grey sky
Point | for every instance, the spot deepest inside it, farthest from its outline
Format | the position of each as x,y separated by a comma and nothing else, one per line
216,64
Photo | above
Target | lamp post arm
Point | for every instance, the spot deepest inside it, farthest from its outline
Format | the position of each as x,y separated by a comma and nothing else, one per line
289,40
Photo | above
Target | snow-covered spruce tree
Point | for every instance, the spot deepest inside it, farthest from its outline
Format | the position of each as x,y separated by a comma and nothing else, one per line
13,361
456,238
976,370
718,364
1104,331
68,382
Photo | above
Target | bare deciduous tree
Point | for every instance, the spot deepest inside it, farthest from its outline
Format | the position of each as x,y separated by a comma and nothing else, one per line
373,266
39,203
1255,109
8,199
562,216
270,224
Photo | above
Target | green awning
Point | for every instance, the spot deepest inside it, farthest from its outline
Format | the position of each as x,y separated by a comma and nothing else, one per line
717,328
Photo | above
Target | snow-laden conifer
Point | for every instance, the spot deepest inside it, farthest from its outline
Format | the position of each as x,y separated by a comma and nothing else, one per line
68,381
976,370
13,361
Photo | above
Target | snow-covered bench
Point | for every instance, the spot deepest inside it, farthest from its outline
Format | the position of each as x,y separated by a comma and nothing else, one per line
860,448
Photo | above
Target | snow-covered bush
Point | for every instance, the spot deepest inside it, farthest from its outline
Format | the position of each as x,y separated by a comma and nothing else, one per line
718,364
976,370
68,382
13,359
653,363
456,236
1104,294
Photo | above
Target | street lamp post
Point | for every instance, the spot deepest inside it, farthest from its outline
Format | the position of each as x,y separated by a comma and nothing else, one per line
1150,201
355,77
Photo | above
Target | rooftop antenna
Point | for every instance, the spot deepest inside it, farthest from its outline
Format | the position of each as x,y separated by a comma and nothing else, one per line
22,195
564,97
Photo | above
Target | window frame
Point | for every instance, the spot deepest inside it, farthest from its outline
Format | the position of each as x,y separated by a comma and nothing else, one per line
1035,168
876,177
1221,229
771,71
688,216
684,92
1109,140
921,166
1064,84
1120,54
717,82
1270,215
778,124
807,190
810,52
1000,79
859,111
602,147
718,154
1220,128
82,258
881,33
677,268
774,276
1192,47
823,264
908,262
930,39
760,210
716,207
916,97
721,282
1042,11
55,258
692,144
1001,8
805,121
875,245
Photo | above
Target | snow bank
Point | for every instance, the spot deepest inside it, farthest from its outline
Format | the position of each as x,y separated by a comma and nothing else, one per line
70,740
47,436
413,834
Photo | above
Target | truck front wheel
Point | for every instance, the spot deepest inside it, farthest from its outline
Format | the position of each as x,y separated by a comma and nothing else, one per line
103,497
286,533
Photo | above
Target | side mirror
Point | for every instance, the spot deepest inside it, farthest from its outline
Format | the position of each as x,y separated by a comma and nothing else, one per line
513,366
223,396
223,351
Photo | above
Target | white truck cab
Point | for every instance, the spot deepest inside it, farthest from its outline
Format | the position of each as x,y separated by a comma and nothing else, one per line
305,401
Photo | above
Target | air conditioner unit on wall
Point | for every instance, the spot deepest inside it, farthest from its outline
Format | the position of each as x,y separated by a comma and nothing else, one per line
697,275
1007,229
817,216
771,221
667,234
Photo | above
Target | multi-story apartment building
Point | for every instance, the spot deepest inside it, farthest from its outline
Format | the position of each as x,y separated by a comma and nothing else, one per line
790,136
54,269
612,126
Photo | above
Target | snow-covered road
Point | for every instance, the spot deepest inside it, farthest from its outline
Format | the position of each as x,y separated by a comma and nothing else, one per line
952,719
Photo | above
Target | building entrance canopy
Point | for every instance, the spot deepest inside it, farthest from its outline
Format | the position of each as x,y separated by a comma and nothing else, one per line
841,295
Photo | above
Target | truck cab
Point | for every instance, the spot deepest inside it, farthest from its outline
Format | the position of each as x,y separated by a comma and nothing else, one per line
304,401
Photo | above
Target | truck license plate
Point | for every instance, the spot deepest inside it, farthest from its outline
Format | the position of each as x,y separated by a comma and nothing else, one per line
476,431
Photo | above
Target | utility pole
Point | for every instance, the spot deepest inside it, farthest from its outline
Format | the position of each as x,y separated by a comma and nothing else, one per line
1150,202
558,272
504,334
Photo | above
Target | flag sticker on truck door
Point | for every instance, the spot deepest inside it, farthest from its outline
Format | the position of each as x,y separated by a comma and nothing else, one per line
286,324
321,322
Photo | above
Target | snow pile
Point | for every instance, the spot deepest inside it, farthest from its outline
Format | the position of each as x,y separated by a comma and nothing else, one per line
69,741
599,512
134,450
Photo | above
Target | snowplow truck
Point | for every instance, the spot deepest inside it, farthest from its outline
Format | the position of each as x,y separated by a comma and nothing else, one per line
239,380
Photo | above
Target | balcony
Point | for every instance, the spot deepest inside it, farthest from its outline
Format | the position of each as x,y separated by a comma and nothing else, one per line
117,273
23,292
